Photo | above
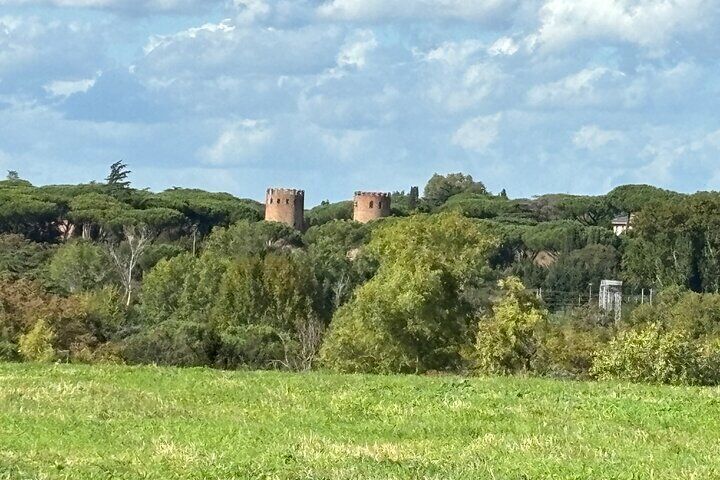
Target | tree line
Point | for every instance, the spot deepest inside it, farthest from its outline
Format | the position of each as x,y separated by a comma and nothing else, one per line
104,272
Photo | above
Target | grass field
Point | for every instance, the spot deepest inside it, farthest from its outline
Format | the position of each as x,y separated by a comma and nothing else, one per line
119,422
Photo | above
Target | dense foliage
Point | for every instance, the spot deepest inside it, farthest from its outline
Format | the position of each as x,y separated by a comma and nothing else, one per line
459,280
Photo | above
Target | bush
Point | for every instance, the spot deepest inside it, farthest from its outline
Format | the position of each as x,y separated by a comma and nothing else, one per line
172,343
507,340
254,346
106,353
79,267
21,258
8,351
37,344
106,313
650,354
328,212
569,343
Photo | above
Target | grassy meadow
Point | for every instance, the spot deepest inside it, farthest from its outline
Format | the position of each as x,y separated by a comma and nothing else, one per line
79,422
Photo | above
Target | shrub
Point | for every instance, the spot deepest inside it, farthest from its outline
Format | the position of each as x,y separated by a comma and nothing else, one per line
106,313
173,343
507,340
79,267
569,342
650,354
8,350
106,353
254,345
37,344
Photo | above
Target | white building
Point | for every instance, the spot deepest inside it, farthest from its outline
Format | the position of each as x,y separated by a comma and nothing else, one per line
622,223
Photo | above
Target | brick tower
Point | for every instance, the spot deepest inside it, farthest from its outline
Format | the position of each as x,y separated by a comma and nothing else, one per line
370,206
285,205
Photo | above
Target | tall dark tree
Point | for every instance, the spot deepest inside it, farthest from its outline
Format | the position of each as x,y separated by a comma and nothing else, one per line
118,176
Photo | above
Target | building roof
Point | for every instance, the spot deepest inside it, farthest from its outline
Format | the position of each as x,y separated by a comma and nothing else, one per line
621,220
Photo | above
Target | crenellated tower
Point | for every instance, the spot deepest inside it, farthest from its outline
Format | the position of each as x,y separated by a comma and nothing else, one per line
285,205
370,206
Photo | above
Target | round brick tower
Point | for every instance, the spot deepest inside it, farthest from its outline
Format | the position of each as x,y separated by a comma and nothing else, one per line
285,205
370,206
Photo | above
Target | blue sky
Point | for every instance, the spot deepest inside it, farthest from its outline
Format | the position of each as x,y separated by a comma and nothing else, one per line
333,96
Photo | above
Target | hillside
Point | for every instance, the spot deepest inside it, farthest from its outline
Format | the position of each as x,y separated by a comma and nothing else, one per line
145,422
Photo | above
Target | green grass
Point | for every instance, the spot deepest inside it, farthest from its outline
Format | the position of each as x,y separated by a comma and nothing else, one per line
118,422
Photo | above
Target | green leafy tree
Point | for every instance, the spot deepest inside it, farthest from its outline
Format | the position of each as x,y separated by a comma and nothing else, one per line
206,210
478,205
328,212
79,267
573,271
265,315
569,341
105,312
676,242
508,339
245,238
21,212
411,316
94,212
23,302
118,176
441,187
337,256
22,258
633,198
585,209
163,286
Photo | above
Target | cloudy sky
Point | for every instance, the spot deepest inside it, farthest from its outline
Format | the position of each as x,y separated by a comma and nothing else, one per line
339,95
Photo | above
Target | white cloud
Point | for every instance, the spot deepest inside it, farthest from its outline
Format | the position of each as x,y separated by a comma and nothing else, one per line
355,50
229,49
453,53
592,137
459,76
590,86
504,46
478,134
65,88
671,155
351,103
35,52
648,23
381,10
345,144
240,142
251,11
159,41
130,6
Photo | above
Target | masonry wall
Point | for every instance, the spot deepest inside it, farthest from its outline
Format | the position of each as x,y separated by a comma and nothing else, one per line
368,206
285,205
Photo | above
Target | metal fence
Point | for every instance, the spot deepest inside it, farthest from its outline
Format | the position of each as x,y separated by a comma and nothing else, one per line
611,297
